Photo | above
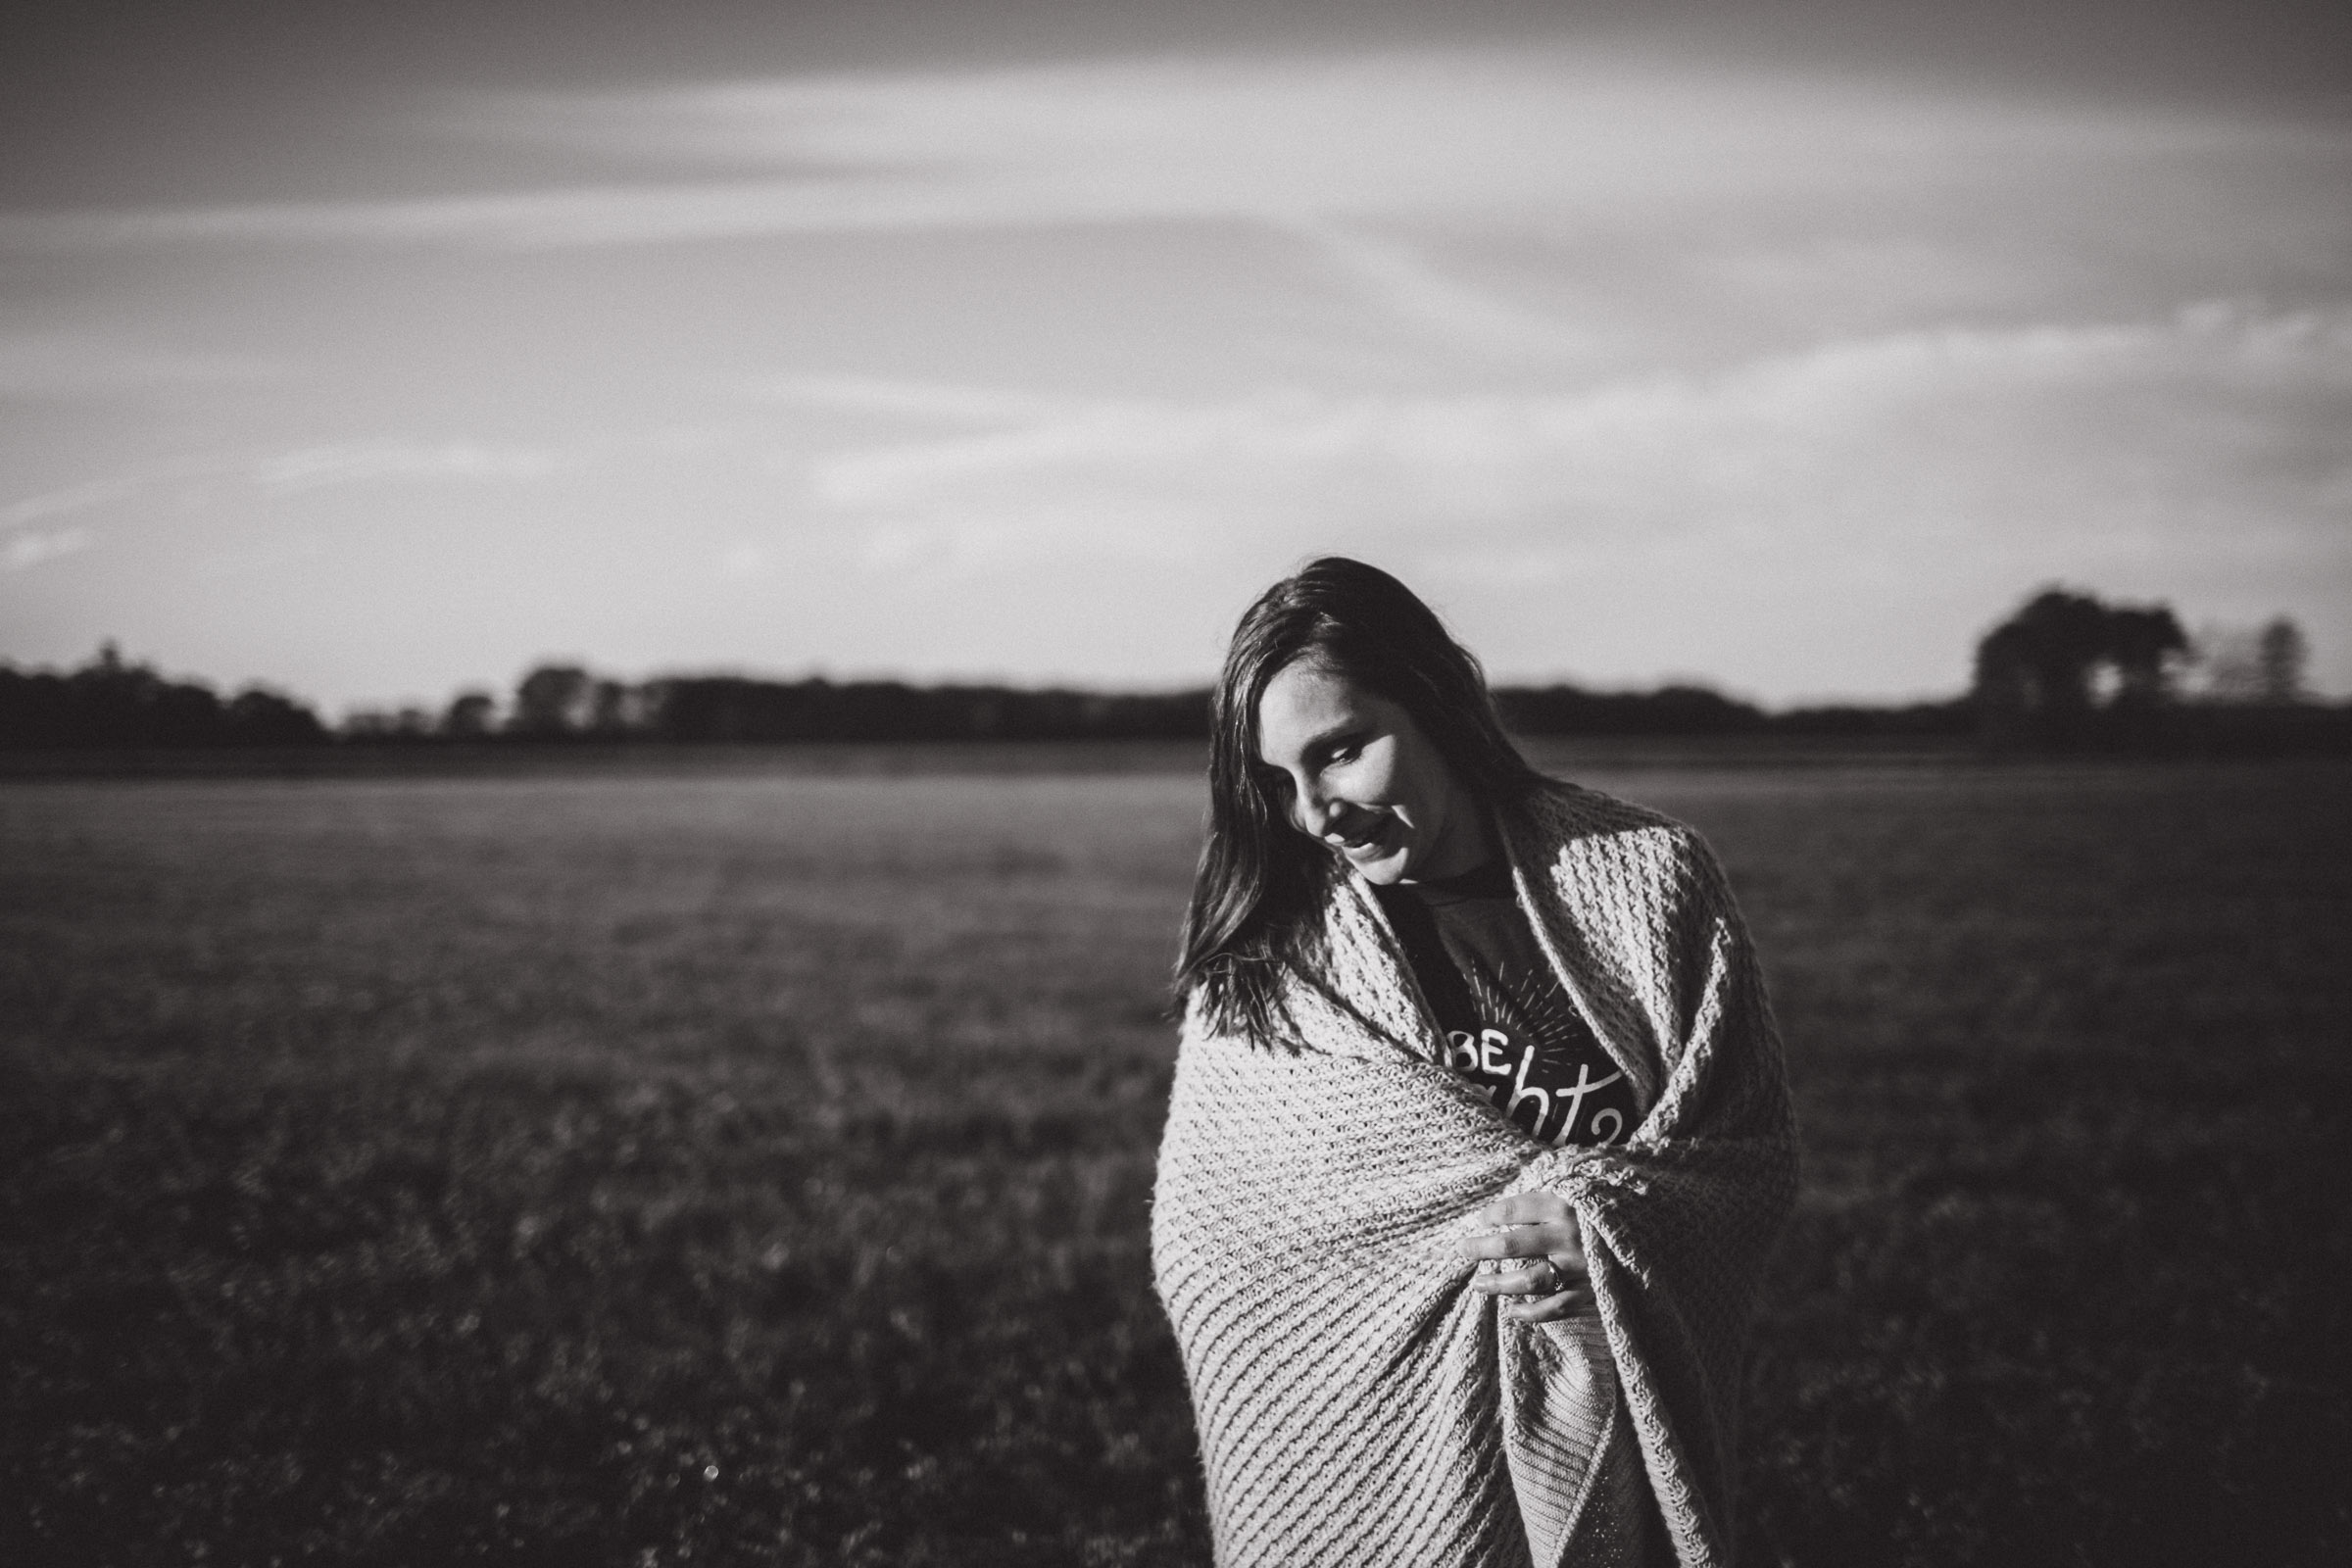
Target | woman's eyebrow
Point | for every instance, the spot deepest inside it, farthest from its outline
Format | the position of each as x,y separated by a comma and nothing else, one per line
1331,739
1322,740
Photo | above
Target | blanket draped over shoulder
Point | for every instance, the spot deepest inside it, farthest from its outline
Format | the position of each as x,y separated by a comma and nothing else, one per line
1356,1402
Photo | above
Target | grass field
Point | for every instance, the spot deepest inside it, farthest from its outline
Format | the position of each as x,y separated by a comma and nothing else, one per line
750,1165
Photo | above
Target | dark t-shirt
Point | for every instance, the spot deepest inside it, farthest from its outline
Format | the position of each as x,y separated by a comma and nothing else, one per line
1508,1022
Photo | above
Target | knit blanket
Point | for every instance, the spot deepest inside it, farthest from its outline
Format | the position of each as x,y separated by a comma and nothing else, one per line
1356,1402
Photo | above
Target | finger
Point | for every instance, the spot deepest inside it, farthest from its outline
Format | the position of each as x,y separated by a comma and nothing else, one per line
1547,1309
1524,1209
1520,1240
1570,1268
1535,1279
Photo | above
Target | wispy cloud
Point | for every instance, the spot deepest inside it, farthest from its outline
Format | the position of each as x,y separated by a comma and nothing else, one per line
21,552
71,499
367,461
1603,132
59,363
2219,418
1400,279
191,480
940,402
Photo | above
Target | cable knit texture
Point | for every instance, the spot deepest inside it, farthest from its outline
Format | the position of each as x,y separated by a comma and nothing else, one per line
1356,1402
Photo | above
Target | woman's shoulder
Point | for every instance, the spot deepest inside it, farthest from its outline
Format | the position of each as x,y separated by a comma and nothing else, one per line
1588,838
1560,817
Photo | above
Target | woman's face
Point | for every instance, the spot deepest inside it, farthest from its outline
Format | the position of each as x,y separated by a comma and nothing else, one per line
1352,770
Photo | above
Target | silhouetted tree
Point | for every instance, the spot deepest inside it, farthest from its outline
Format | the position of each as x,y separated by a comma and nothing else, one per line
2282,656
258,717
2039,660
112,701
406,724
737,710
468,715
615,708
2042,671
1667,711
2144,645
552,700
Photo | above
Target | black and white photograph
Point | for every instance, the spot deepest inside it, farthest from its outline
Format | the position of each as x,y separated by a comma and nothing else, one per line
1175,783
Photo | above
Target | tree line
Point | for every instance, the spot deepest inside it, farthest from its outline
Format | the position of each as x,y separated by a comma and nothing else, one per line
2069,670
2066,669
110,702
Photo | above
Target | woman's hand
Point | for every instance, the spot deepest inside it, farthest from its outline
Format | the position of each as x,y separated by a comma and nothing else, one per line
1537,1236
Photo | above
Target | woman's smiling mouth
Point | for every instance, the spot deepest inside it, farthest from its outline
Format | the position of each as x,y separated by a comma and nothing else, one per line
1362,836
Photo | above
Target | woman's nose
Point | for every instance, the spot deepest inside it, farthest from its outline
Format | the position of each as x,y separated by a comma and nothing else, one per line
1316,812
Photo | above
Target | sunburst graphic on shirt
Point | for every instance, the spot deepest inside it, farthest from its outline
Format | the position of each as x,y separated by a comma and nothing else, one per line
1534,1008
1537,1012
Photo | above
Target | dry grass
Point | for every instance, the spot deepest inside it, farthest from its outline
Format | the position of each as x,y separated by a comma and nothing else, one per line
733,1167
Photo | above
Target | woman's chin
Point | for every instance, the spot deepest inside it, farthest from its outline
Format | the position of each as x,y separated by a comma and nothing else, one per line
1384,869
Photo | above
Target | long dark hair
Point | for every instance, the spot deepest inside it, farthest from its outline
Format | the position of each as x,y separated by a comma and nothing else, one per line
1257,895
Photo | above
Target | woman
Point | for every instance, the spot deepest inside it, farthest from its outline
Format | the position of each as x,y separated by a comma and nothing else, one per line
1479,1133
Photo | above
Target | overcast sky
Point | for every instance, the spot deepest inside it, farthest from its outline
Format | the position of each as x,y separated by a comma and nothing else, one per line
377,351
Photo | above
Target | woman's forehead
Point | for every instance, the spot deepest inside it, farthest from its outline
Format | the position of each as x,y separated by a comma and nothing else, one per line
1306,702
